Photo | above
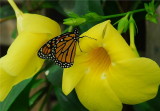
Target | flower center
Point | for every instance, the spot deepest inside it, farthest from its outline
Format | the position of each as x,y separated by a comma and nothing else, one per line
99,59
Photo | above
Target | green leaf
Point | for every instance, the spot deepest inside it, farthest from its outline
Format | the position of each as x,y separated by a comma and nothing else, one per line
6,11
53,5
82,8
96,6
123,24
21,103
152,18
14,33
151,105
54,75
4,106
151,15
143,107
70,102
74,21
92,17
146,7
88,6
155,102
38,95
78,7
73,15
57,107
38,82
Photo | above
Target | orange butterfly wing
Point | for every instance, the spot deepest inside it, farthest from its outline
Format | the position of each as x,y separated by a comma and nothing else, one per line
61,49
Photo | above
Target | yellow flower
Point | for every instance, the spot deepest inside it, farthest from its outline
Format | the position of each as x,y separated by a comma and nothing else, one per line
108,73
21,61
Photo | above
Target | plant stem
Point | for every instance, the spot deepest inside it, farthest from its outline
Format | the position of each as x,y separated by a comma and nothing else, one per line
15,8
123,14
70,28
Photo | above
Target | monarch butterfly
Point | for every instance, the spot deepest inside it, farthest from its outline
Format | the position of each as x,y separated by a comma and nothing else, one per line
61,49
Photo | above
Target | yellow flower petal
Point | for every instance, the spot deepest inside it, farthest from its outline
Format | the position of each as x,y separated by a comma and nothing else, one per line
40,24
21,61
109,38
34,23
135,80
96,32
6,83
95,93
116,46
71,76
23,53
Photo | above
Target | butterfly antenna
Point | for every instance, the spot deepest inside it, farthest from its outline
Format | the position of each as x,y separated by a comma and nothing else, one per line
88,37
79,47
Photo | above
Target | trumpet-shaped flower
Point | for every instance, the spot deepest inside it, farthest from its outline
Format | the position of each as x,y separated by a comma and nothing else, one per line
21,61
108,72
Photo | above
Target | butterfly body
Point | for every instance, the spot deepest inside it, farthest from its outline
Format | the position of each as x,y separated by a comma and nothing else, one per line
61,49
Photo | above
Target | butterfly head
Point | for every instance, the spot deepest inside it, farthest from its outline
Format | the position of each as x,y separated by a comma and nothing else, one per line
76,31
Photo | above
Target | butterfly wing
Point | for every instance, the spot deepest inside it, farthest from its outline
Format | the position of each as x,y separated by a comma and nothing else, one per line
65,50
47,50
61,49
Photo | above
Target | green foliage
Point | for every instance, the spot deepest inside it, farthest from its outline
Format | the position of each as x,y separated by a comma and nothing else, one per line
21,102
36,97
57,107
70,102
6,11
132,21
14,33
88,5
54,75
151,15
14,93
123,24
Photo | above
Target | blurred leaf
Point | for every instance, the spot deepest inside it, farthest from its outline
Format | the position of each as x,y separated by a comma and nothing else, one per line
14,33
96,6
152,18
35,98
70,102
151,105
57,107
14,93
54,75
92,17
74,21
86,6
82,8
143,107
21,103
6,11
155,102
37,82
73,15
53,5
151,15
